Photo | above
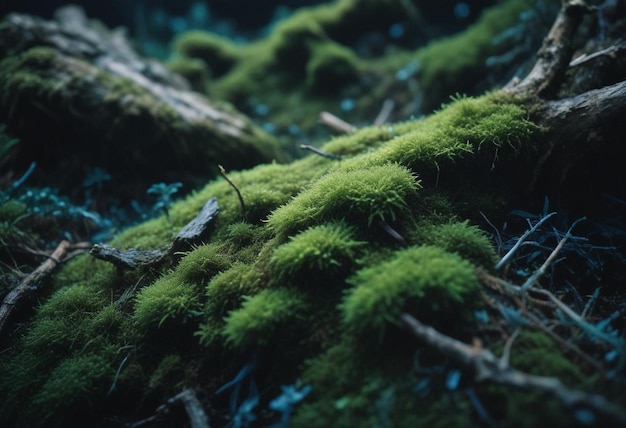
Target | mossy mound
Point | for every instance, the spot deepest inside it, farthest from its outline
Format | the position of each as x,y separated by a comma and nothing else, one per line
304,280
317,55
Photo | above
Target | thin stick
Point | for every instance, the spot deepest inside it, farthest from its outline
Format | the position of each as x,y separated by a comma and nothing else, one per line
223,173
319,152
486,367
384,112
532,280
32,282
335,123
193,407
521,240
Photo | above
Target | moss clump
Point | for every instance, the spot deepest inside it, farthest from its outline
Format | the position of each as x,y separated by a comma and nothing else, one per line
217,53
168,302
263,316
331,67
437,287
482,126
467,241
224,293
202,264
73,389
456,63
316,256
361,196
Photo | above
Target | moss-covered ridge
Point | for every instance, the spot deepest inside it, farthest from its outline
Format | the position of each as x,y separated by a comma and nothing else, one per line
307,278
310,63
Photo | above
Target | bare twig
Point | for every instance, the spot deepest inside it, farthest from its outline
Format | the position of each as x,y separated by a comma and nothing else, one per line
486,367
319,152
193,407
532,280
521,240
610,51
31,283
333,122
384,112
234,186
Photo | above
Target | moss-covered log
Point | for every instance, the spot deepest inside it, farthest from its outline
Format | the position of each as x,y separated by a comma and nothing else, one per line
78,97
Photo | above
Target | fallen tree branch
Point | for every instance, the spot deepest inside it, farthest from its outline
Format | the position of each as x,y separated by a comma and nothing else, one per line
486,367
33,281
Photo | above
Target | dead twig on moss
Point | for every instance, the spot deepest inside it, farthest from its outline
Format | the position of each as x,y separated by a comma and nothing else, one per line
319,152
193,407
31,283
486,367
190,235
234,186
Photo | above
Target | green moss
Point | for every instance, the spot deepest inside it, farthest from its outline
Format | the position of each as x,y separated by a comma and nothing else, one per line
217,53
72,391
101,275
268,317
359,196
202,264
482,126
467,241
224,293
194,70
11,210
316,256
437,287
281,182
456,63
168,374
168,301
331,67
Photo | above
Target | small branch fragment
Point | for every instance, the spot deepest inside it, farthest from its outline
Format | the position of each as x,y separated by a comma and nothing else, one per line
319,152
31,283
129,259
234,186
197,228
520,241
539,272
610,51
384,112
193,233
336,124
193,407
487,367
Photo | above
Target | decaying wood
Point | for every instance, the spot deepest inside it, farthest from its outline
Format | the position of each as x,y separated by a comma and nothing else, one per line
192,234
29,285
115,109
554,55
486,367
